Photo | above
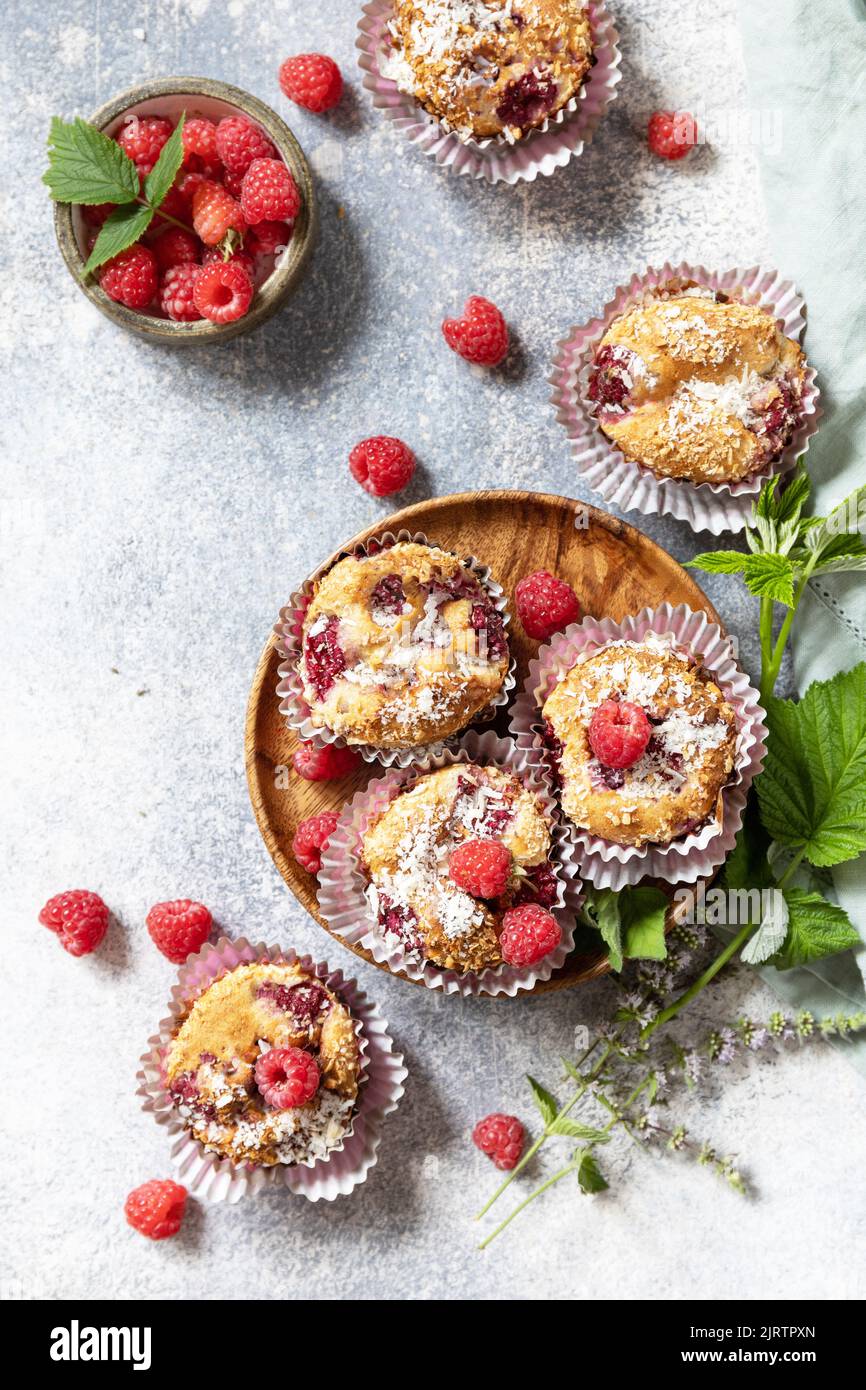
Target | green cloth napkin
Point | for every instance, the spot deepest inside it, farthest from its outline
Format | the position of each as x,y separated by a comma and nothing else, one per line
806,69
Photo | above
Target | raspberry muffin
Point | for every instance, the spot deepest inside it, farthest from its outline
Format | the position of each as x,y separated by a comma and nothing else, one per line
401,648
265,1066
490,68
693,384
450,860
644,741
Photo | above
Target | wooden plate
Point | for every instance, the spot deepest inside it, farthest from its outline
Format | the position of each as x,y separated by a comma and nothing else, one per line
614,569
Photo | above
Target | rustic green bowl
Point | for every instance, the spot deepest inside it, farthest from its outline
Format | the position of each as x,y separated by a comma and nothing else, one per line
169,96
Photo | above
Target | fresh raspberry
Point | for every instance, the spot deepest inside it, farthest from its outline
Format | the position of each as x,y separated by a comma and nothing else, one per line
142,138
619,733
501,1137
481,867
382,465
179,928
267,238
671,134
215,212
184,188
287,1077
96,213
269,193
324,764
480,335
232,183
313,81
545,605
239,142
131,278
175,247
176,293
528,935
311,839
212,255
79,918
199,144
222,291
156,1208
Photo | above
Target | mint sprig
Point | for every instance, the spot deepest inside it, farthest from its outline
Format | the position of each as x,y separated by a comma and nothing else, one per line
86,167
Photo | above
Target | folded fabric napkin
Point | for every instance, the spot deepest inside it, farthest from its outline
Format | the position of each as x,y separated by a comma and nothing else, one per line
806,69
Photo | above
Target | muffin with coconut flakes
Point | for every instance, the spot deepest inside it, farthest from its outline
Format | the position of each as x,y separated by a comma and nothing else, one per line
693,384
265,1066
490,68
401,648
644,741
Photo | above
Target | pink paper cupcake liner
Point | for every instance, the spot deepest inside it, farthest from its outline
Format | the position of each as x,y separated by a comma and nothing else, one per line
699,854
344,906
288,634
217,1179
713,507
562,137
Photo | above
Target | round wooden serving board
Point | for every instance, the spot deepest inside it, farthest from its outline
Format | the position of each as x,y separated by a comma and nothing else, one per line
614,569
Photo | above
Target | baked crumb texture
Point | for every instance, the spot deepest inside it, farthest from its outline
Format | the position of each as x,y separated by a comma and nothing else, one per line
209,1065
695,385
417,909
490,68
676,786
401,649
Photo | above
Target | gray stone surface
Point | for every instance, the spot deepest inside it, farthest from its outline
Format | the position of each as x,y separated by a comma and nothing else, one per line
157,509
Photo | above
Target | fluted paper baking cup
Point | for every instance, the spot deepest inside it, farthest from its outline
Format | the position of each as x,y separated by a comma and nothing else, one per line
713,507
700,853
342,884
216,1178
562,137
288,636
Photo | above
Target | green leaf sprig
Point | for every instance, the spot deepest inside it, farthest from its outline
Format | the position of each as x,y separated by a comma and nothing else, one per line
86,167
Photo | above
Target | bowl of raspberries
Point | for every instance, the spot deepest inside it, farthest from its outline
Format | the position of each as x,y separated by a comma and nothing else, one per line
229,239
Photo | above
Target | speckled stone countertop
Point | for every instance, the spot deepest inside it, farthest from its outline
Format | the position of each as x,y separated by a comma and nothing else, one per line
157,510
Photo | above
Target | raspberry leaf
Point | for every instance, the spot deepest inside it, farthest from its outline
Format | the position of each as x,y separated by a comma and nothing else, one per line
85,166
122,229
719,562
643,912
164,171
771,934
812,792
816,928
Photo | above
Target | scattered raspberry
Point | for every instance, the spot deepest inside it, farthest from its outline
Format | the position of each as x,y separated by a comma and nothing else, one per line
671,134
545,605
239,142
156,1208
177,291
313,81
179,928
382,465
481,867
619,733
501,1137
215,212
175,247
222,291
287,1077
269,193
142,138
324,764
212,255
529,933
480,335
311,839
131,278
199,144
267,238
79,918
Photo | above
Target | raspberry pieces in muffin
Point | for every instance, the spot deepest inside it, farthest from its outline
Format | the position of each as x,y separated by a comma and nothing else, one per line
215,1074
401,648
667,730
490,67
695,385
415,893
